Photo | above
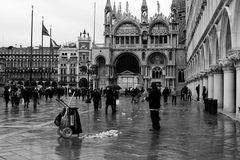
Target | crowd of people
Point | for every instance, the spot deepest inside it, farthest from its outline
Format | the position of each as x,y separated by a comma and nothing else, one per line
20,94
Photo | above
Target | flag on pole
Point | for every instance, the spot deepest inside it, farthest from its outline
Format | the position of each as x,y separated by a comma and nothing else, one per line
44,31
53,43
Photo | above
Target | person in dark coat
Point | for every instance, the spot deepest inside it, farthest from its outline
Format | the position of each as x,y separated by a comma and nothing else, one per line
26,94
35,98
6,96
204,93
154,106
197,89
165,94
109,99
96,96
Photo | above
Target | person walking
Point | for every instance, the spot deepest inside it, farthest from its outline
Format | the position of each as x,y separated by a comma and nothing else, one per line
165,94
154,106
204,93
197,90
96,96
174,96
189,95
109,99
6,94
26,94
35,98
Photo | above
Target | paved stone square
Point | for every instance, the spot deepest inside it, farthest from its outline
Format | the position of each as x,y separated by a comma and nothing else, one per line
187,132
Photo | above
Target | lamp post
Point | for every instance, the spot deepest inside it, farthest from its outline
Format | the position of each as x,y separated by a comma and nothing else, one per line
88,89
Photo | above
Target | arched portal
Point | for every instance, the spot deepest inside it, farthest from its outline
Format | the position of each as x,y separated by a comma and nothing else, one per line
101,72
127,70
225,35
215,51
83,83
236,25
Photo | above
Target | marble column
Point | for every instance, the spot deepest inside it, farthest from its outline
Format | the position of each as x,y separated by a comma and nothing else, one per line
234,55
218,86
238,90
210,85
229,87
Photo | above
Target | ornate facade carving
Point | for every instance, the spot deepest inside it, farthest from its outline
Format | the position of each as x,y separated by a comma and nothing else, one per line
234,56
226,64
216,68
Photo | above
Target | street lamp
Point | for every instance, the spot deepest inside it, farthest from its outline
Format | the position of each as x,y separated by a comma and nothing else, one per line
88,89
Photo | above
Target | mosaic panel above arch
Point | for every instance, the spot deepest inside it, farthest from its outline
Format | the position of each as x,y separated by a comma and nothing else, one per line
159,29
127,29
157,59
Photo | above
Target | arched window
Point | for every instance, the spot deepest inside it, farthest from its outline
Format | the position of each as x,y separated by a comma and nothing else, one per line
181,76
157,73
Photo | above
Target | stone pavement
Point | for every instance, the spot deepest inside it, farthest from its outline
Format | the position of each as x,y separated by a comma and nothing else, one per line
187,133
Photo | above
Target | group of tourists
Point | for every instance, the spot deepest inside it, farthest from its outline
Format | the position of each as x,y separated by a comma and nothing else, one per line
186,94
20,94
17,94
204,92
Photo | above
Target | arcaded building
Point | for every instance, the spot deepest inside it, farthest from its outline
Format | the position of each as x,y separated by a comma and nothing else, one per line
213,55
17,63
141,51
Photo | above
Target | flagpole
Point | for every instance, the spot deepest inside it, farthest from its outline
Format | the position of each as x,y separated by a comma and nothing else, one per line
30,76
94,23
50,64
42,52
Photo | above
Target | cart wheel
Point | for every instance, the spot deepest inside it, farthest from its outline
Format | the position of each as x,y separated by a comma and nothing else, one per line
59,132
67,132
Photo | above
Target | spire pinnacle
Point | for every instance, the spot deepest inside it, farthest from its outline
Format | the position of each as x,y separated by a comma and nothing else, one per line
158,7
119,9
127,10
144,3
114,8
108,4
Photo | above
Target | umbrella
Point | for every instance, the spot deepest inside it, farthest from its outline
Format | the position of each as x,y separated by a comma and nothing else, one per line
115,86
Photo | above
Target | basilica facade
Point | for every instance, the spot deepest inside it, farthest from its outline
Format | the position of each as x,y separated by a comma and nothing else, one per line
141,51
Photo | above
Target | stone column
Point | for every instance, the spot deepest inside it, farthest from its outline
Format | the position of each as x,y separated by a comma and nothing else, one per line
238,89
210,85
218,85
234,55
229,86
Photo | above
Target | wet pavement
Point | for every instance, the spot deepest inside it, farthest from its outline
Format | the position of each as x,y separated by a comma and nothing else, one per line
187,132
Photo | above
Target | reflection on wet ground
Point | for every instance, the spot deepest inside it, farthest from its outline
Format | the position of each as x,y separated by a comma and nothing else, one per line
187,132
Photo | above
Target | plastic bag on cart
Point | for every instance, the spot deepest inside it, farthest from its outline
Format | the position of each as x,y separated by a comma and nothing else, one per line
58,119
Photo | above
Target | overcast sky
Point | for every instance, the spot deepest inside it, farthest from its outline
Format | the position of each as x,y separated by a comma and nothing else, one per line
67,17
